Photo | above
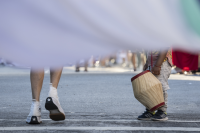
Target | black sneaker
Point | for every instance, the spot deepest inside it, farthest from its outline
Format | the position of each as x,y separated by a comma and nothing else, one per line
146,115
160,116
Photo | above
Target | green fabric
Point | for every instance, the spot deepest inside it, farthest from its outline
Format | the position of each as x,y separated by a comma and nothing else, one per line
191,9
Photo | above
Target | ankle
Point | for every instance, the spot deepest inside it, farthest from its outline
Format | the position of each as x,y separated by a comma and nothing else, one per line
152,112
35,101
52,91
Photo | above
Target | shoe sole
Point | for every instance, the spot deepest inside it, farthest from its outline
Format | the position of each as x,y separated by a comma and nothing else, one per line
165,119
55,114
34,120
144,119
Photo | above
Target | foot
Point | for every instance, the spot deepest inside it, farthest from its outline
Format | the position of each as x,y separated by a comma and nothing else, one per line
160,116
34,116
53,105
146,115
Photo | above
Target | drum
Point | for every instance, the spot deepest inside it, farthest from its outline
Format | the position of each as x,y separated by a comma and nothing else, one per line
148,90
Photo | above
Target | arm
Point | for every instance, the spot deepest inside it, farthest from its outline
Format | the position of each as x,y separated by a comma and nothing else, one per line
156,69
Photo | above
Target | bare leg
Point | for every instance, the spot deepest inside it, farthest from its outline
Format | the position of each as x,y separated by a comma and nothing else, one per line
36,78
143,59
52,102
133,61
55,74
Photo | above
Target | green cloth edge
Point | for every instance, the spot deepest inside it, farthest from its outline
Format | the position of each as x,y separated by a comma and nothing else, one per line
191,9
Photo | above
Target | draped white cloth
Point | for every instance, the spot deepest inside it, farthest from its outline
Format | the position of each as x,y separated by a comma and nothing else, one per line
56,32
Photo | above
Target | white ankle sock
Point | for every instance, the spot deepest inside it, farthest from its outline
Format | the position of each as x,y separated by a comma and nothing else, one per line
35,102
52,91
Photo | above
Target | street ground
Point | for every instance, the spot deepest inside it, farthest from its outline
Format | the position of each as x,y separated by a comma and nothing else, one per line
98,101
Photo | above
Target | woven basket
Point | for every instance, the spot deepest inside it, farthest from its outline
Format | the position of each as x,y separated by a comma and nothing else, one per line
148,90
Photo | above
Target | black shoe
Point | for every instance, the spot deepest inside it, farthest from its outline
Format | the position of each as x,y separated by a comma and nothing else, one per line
146,115
160,116
53,106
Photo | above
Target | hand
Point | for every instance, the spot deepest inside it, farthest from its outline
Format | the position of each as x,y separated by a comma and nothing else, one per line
145,67
156,70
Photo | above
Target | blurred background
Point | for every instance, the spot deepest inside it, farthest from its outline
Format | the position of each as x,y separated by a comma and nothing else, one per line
122,61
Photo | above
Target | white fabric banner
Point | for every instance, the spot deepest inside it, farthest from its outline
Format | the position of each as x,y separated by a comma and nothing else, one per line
56,32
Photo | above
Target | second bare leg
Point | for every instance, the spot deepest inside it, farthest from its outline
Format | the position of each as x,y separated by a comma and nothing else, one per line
52,102
55,74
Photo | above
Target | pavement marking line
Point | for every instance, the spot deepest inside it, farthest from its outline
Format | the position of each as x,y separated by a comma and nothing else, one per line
102,120
101,128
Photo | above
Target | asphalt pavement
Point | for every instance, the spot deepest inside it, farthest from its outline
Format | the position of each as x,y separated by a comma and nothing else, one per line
98,102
